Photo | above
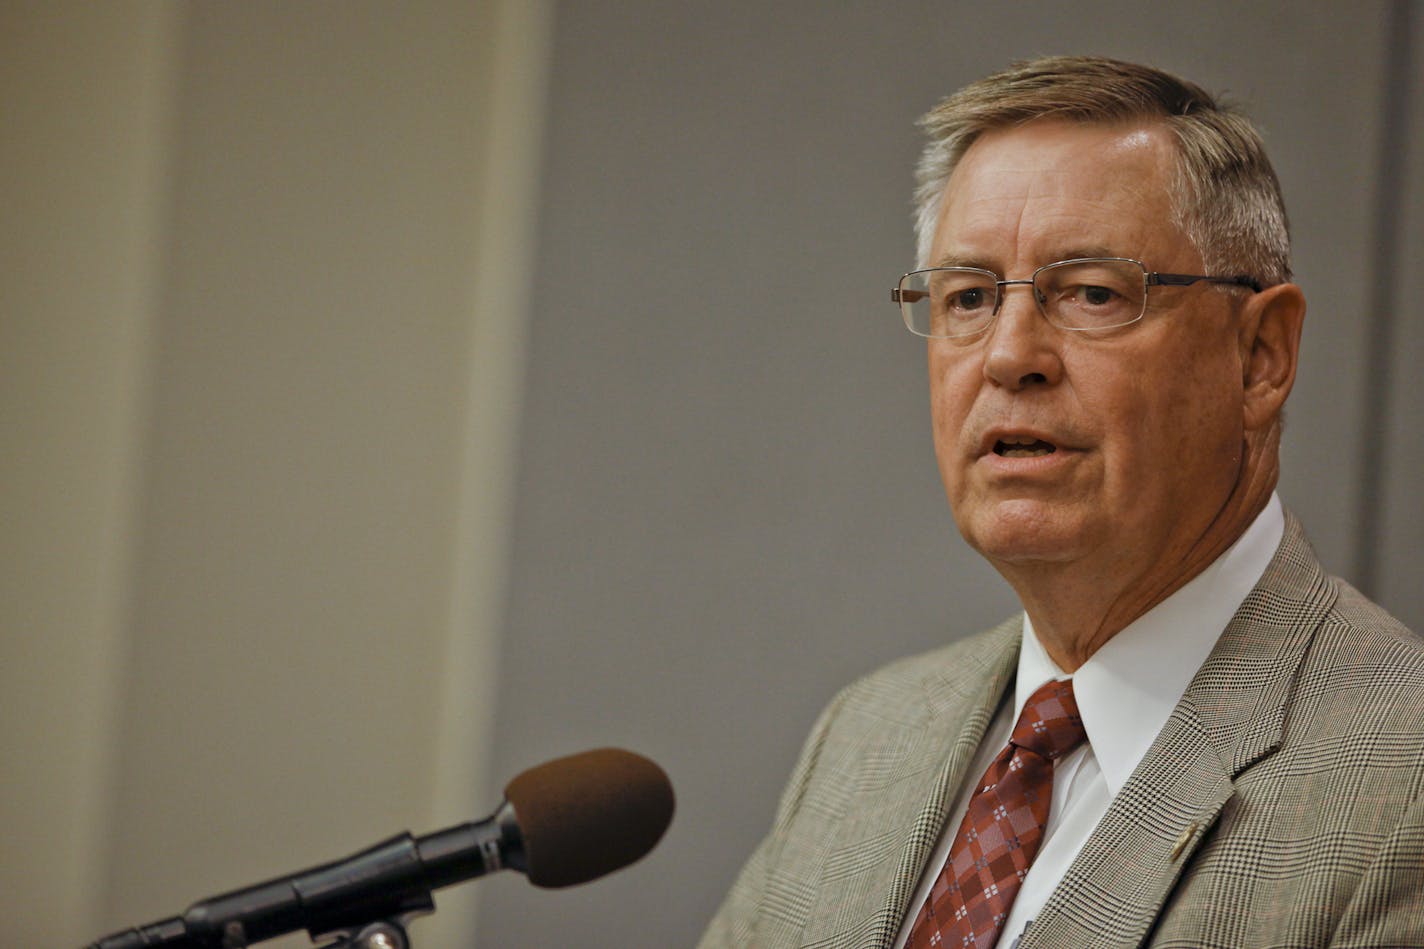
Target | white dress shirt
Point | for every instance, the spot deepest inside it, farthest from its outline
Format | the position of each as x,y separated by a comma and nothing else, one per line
1125,692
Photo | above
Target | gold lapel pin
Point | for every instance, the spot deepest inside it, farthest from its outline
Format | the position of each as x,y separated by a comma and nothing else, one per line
1183,839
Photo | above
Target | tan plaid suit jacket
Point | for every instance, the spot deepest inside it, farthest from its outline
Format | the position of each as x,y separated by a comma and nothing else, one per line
1280,805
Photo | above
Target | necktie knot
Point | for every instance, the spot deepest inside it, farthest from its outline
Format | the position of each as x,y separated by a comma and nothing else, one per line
1050,724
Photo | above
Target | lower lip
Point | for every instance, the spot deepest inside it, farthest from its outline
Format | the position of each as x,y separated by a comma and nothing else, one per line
1027,465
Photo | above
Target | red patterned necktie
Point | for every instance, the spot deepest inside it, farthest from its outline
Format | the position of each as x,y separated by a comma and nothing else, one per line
1001,830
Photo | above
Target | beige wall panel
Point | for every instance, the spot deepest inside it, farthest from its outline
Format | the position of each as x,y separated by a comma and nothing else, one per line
262,273
324,506
293,570
84,106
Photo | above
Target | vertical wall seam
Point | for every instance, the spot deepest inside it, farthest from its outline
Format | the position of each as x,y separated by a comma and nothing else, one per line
519,62
1383,297
168,47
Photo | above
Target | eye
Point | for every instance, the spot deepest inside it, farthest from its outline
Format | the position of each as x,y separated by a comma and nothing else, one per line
971,298
1091,294
963,293
1094,295
960,302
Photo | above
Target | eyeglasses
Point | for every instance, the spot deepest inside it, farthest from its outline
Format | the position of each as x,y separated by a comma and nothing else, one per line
1092,293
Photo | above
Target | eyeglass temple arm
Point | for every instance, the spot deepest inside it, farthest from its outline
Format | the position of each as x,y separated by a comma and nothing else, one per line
1186,280
907,296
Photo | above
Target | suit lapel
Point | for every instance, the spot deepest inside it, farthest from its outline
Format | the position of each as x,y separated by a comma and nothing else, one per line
1232,715
890,827
1119,880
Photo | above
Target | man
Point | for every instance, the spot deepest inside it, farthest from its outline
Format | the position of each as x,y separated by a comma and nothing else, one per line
1192,736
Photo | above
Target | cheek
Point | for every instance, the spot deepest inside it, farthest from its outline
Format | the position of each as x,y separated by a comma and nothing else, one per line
953,386
1179,428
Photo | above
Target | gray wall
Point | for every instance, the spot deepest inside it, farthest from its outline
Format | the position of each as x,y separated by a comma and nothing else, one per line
727,504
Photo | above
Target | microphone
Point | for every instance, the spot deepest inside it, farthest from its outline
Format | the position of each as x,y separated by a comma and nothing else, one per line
563,822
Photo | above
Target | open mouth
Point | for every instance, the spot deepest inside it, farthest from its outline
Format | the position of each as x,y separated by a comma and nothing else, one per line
1023,448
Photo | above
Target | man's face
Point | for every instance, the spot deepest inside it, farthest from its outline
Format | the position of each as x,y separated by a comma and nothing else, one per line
1144,422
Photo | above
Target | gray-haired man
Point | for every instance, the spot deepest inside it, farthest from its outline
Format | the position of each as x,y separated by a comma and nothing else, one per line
1192,736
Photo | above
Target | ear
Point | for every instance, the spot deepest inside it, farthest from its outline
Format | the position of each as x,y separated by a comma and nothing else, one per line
1270,347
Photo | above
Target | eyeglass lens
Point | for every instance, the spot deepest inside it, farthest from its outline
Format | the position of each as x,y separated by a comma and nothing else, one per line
1082,294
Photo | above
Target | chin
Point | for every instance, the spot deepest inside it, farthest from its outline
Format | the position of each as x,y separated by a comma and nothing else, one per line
1023,532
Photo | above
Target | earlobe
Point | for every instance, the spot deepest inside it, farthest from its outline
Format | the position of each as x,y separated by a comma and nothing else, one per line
1270,345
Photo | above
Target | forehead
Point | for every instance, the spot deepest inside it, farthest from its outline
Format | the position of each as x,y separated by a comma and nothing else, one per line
1051,189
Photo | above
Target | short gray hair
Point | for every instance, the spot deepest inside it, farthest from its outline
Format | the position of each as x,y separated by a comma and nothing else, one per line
1225,198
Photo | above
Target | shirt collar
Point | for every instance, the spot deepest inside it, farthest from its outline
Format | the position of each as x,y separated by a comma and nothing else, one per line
1127,689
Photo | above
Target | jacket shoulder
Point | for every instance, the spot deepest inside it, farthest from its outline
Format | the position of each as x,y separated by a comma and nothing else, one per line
939,673
878,758
1365,666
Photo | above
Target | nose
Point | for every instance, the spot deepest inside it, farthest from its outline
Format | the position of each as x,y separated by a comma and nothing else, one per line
1022,348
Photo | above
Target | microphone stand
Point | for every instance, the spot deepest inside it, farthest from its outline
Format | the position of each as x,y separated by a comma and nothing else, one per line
383,934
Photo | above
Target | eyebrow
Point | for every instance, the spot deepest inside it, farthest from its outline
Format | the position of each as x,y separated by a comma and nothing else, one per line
1079,252
961,260
1071,252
